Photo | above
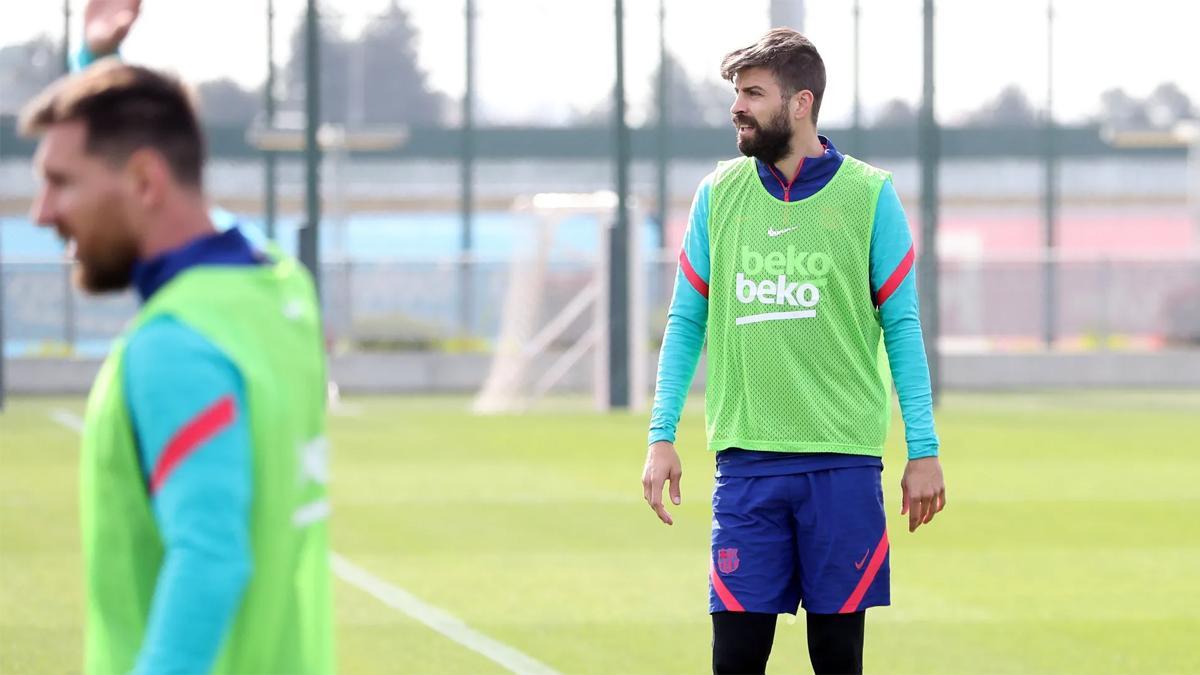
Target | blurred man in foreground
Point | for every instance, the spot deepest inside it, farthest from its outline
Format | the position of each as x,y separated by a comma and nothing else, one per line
204,458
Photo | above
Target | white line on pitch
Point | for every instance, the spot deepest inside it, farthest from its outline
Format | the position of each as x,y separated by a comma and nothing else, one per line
345,410
439,620
67,419
399,599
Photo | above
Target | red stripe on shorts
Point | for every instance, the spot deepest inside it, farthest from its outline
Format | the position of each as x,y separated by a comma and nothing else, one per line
864,583
730,602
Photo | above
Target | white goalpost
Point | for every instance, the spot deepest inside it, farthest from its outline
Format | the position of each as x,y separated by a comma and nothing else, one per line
1184,134
534,355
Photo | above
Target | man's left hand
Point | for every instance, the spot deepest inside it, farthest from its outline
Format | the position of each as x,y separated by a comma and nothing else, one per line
924,491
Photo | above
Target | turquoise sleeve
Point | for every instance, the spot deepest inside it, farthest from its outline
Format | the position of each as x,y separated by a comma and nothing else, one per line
188,405
893,273
84,58
687,319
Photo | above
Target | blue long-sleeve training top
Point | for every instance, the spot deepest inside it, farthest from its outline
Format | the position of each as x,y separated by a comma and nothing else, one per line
200,487
893,283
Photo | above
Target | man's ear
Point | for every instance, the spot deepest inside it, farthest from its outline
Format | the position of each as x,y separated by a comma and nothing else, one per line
802,101
147,177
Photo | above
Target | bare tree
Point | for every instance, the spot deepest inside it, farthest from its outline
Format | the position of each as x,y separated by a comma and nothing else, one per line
896,113
374,80
226,102
1010,108
690,103
25,69
1168,105
1119,110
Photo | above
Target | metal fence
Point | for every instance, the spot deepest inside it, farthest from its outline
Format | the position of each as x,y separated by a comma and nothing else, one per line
1115,303
988,303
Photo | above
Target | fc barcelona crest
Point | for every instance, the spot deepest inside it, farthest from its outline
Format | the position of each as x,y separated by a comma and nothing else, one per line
727,560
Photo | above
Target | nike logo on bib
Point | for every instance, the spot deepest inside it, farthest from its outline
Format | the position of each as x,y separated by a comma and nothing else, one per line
771,232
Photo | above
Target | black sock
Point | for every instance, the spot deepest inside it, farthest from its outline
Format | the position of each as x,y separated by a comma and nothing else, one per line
835,643
742,642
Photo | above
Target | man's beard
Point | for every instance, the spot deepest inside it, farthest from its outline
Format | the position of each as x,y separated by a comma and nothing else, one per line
770,143
104,264
110,274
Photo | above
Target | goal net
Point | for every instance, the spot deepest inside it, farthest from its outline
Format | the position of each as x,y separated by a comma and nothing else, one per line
554,323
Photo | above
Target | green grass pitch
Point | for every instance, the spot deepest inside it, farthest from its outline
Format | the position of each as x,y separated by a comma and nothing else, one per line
1071,542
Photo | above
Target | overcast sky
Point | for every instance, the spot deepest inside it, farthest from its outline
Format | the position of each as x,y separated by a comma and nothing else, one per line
538,60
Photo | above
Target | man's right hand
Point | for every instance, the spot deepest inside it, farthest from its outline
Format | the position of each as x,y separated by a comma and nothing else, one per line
107,22
662,465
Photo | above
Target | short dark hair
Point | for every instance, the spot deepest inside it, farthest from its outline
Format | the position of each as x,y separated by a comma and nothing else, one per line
124,109
790,56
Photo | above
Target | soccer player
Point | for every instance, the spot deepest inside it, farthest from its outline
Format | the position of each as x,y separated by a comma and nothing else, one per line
796,260
203,466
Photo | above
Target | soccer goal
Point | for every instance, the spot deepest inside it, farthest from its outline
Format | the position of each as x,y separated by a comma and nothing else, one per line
550,341
1183,134
1181,324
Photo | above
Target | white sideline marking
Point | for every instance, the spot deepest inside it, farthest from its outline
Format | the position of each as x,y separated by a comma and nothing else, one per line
399,599
67,419
311,513
345,410
439,620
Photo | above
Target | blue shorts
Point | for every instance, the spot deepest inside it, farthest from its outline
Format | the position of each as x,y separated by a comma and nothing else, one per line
816,539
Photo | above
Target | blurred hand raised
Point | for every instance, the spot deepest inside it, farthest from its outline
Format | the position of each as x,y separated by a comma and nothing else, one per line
107,22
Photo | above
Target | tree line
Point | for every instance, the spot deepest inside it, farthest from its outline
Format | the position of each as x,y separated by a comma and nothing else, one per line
375,79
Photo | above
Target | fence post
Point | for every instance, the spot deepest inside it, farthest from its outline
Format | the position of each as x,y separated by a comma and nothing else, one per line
69,314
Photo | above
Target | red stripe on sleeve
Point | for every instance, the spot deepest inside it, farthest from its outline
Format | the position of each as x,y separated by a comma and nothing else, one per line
896,279
192,435
864,583
697,283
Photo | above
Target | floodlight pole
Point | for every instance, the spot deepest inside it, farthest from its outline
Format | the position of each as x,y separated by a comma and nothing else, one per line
3,338
1050,191
663,83
856,128
309,234
269,176
929,140
618,259
467,180
67,282
66,37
